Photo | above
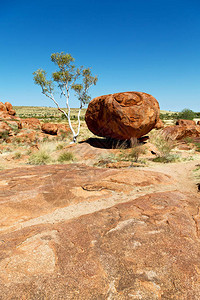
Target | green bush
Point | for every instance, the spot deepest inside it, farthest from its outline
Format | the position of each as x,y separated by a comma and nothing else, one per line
4,135
187,114
59,147
197,147
65,156
39,158
167,158
164,147
17,155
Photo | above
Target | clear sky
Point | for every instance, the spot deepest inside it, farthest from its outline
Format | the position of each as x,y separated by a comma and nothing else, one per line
151,46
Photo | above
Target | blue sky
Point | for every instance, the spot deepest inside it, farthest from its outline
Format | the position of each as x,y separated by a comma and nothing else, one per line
151,46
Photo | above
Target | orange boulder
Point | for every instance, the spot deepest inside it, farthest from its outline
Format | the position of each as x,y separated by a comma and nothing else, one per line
31,123
10,109
122,115
3,107
179,132
49,128
185,122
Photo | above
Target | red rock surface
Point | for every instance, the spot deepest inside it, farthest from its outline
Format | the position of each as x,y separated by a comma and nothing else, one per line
74,232
10,109
122,115
4,128
185,122
159,125
2,107
31,123
179,132
55,129
49,128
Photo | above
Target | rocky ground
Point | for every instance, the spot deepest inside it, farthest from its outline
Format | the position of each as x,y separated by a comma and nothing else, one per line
105,224
71,231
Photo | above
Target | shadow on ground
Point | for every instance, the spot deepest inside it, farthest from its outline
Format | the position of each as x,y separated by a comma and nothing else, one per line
108,143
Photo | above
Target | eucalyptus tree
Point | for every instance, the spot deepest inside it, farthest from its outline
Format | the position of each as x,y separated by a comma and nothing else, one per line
67,78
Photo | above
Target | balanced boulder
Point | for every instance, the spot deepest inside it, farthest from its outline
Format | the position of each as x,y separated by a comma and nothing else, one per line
122,115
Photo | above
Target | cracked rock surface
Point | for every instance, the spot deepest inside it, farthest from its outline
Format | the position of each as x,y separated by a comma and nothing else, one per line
78,232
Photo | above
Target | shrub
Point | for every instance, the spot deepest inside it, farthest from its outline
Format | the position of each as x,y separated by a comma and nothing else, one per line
59,147
164,147
167,158
197,147
4,135
189,140
66,156
39,158
186,114
17,155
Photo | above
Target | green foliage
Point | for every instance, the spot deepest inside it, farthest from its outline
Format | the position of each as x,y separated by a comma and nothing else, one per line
59,146
136,152
67,78
66,156
197,147
164,147
189,140
17,155
167,158
4,135
40,79
186,114
39,158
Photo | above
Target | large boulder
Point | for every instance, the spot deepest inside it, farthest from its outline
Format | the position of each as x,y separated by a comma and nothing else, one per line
123,115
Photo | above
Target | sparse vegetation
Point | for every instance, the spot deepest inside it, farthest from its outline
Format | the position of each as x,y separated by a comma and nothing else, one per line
197,147
167,158
17,155
164,146
4,136
59,146
65,156
40,157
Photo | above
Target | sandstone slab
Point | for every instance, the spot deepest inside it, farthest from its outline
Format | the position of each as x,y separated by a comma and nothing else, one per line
76,232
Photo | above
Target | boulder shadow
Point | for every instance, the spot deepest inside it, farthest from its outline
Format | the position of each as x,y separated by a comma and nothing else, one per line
108,143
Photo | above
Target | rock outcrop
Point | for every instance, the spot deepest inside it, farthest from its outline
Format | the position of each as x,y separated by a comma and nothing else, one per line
31,123
122,115
7,108
9,123
185,122
179,132
55,129
88,233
